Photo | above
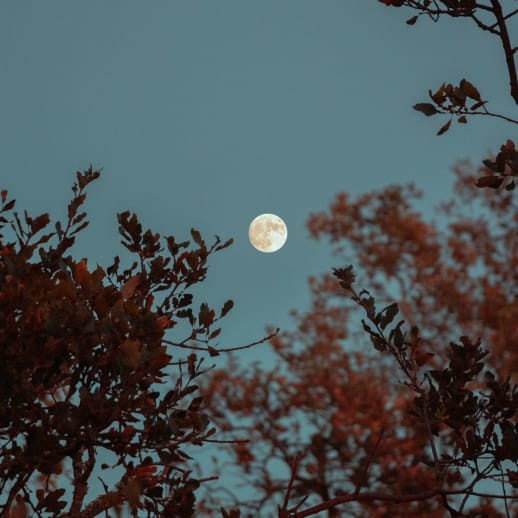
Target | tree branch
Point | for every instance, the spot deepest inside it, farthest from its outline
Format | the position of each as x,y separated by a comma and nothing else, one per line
392,497
483,26
368,462
512,13
506,43
82,472
496,115
214,350
283,511
22,480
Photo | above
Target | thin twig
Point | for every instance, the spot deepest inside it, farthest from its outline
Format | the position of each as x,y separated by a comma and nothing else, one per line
364,475
485,112
294,469
391,497
432,442
512,13
226,350
503,488
483,26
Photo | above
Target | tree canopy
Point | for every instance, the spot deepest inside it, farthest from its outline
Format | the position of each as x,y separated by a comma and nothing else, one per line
87,373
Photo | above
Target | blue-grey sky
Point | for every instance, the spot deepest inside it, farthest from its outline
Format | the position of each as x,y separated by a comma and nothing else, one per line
204,114
207,113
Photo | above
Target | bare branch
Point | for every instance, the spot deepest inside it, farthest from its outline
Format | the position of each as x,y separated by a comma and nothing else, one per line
392,497
508,49
226,350
507,16
365,473
283,511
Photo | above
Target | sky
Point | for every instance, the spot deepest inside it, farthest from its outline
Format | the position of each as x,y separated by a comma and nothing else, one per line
205,114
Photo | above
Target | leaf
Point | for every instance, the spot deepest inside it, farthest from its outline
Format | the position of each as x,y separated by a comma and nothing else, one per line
388,314
225,244
155,492
215,333
39,223
445,128
80,227
145,471
478,105
411,21
163,322
396,335
229,304
112,270
80,271
197,237
345,276
212,351
462,119
129,287
78,218
421,358
196,403
378,342
185,313
490,165
9,205
3,194
59,229
19,510
131,351
469,90
489,181
512,477
370,308
439,96
184,300
427,108
206,315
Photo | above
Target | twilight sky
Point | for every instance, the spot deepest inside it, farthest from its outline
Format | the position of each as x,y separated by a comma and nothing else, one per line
204,114
207,113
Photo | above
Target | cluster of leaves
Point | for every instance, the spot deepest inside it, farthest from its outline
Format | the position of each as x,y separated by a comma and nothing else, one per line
503,169
82,361
457,275
435,8
453,100
474,420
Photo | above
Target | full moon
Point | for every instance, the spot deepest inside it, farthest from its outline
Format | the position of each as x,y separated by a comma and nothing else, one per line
267,233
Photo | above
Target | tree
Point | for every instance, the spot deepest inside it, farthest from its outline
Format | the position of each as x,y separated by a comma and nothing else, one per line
84,365
414,425
422,423
425,421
